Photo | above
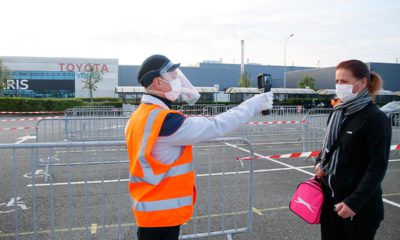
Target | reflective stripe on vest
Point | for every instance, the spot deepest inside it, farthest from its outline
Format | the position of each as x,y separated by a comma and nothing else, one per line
172,172
162,204
149,176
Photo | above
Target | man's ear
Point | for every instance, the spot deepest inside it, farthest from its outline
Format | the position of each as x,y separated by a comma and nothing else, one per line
155,84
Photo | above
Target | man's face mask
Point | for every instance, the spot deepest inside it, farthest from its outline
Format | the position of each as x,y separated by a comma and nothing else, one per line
176,88
345,92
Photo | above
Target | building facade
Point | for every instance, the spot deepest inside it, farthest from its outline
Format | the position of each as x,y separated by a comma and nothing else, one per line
62,77
58,77
325,77
211,74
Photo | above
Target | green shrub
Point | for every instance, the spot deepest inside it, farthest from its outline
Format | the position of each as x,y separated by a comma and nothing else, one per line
100,99
37,104
117,104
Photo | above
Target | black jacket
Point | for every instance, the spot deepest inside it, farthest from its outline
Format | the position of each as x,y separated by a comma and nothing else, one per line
365,140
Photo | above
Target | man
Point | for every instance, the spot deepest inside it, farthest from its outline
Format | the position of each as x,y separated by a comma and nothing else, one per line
159,143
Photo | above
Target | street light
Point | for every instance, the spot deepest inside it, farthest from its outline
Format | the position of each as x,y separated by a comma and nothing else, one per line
284,68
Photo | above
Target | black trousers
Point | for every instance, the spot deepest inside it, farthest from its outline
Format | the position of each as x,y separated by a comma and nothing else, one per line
158,233
363,226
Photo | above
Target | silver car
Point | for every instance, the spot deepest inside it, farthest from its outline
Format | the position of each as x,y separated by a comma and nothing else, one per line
392,110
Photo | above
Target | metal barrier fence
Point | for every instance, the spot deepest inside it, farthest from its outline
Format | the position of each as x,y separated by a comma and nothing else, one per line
314,111
313,132
314,128
81,129
201,109
305,130
83,201
94,111
214,109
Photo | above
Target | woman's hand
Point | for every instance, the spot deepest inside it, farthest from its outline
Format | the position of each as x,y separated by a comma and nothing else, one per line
344,211
319,171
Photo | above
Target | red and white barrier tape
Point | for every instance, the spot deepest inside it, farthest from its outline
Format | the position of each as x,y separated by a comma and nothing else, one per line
275,122
302,154
16,128
44,112
28,119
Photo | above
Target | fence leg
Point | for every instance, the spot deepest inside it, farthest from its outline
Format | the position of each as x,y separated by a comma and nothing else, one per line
229,236
46,172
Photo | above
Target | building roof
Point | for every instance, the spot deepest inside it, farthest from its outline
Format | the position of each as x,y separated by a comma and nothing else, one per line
128,89
293,90
207,89
326,92
233,90
383,92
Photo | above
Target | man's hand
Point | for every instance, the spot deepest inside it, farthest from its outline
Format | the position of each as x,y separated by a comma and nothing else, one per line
344,211
319,171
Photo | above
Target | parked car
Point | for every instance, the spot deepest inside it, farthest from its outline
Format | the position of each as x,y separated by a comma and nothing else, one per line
392,110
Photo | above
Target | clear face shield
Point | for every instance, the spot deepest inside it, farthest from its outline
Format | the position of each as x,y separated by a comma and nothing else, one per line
180,85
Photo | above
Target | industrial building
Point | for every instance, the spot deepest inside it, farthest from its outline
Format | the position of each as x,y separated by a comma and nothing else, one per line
325,77
62,77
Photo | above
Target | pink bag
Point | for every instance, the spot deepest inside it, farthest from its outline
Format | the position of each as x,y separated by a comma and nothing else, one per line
308,200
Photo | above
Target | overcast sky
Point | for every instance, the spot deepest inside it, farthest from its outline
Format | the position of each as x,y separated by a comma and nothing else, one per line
325,32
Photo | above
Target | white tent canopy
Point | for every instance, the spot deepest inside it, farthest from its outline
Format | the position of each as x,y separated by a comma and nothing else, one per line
126,89
234,90
381,92
326,92
385,93
136,89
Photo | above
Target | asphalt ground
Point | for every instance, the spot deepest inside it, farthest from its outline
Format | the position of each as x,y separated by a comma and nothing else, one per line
90,201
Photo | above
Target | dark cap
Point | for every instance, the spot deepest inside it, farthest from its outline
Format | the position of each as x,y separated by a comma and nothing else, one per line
151,68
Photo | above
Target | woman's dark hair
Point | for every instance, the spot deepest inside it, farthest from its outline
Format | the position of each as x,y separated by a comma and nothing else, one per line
360,71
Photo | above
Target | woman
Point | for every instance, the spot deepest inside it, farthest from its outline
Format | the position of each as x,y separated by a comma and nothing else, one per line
359,136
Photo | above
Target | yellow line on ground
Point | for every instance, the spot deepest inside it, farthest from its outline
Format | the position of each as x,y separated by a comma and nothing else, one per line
390,194
258,212
93,228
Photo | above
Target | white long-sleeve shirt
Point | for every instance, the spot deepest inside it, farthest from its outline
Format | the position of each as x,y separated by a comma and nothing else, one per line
198,129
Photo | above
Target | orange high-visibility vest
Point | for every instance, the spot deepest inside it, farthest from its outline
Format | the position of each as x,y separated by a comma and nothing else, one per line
162,194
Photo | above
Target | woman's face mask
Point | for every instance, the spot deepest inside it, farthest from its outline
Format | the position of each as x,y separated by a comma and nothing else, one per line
176,88
345,92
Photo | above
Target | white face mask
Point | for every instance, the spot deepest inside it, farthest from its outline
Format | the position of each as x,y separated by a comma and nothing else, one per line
345,92
176,88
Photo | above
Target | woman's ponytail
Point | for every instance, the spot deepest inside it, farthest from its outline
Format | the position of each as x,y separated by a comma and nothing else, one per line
374,84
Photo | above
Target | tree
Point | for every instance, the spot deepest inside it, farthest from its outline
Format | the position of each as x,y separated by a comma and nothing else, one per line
91,79
307,81
245,80
5,74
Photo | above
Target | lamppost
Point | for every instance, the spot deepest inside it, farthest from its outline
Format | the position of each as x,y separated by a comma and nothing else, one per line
284,67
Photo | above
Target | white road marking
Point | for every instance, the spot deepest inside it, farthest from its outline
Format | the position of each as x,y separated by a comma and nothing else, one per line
289,167
198,175
12,203
391,202
38,173
24,138
298,169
